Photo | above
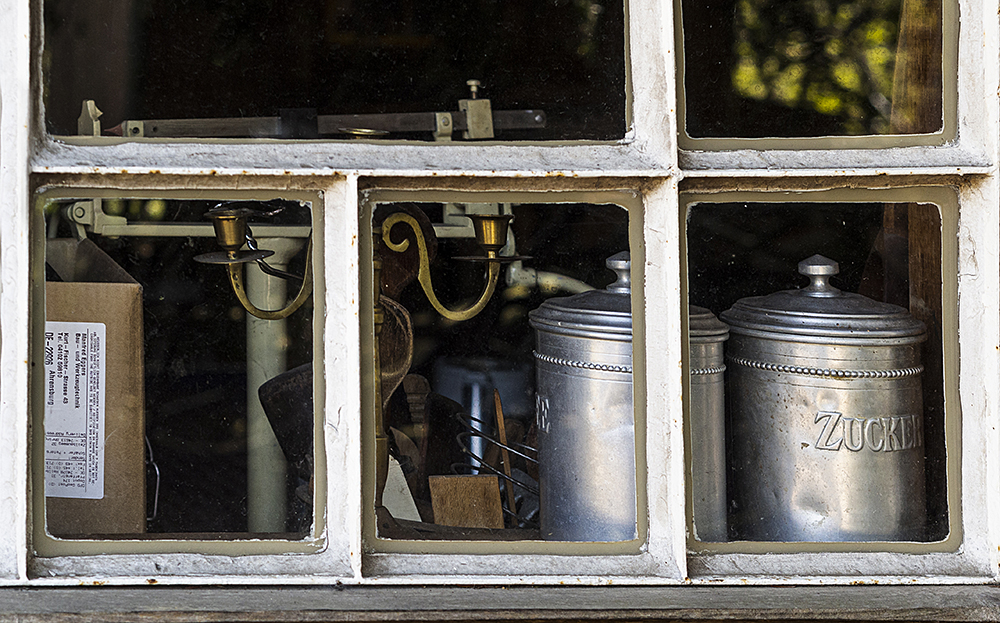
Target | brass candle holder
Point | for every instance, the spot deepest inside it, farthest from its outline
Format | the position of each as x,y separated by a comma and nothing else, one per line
491,235
232,234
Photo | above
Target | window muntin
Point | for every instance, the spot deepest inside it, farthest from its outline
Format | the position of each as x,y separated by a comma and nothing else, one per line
727,252
241,60
201,422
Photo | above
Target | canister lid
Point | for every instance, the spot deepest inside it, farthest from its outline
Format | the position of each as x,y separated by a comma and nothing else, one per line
604,314
703,323
820,309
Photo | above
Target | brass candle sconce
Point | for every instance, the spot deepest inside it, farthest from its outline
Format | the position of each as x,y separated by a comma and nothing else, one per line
491,235
233,233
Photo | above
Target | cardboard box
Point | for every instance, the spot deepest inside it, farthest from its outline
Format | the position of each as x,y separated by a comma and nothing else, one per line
95,289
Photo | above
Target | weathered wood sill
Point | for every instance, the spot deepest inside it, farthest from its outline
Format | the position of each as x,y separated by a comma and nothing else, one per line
497,604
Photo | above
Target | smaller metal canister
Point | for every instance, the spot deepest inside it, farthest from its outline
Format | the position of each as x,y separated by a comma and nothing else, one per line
825,415
586,428
706,335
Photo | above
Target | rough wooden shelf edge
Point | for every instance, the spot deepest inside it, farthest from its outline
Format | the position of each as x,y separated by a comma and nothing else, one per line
498,604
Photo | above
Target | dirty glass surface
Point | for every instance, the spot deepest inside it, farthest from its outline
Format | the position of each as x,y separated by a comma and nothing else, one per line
453,473
169,408
809,68
825,452
292,61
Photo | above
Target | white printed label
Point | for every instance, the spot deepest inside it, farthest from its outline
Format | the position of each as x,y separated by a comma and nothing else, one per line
74,410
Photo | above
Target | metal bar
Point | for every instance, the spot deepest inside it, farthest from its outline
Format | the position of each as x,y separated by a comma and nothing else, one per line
198,230
270,127
235,127
517,120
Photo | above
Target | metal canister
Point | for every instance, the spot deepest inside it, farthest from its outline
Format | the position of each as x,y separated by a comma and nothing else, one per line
706,335
825,416
586,428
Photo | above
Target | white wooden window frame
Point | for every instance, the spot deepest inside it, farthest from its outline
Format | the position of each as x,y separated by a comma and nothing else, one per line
647,161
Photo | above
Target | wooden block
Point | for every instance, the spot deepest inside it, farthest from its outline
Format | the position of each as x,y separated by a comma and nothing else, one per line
466,501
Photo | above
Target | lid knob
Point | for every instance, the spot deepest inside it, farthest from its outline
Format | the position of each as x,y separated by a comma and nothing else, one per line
622,265
819,269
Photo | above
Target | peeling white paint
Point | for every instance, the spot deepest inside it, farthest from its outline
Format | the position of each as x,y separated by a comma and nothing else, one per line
15,115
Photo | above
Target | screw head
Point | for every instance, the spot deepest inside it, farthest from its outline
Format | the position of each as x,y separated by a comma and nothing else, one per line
473,88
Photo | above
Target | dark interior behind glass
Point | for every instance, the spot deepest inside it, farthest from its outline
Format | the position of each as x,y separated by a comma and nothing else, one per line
171,59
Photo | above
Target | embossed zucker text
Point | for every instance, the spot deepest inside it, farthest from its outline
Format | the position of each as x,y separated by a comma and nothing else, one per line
878,434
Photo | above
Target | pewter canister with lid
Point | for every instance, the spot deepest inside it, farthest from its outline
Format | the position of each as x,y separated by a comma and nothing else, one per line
586,429
706,335
825,416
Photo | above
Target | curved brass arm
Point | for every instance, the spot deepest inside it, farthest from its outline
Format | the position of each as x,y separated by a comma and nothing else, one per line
236,280
424,274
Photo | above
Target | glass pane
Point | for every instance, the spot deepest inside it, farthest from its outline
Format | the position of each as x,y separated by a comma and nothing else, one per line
169,408
807,68
303,66
833,414
562,467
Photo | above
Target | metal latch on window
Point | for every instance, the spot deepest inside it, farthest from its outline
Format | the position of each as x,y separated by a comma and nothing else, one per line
89,216
475,119
478,114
